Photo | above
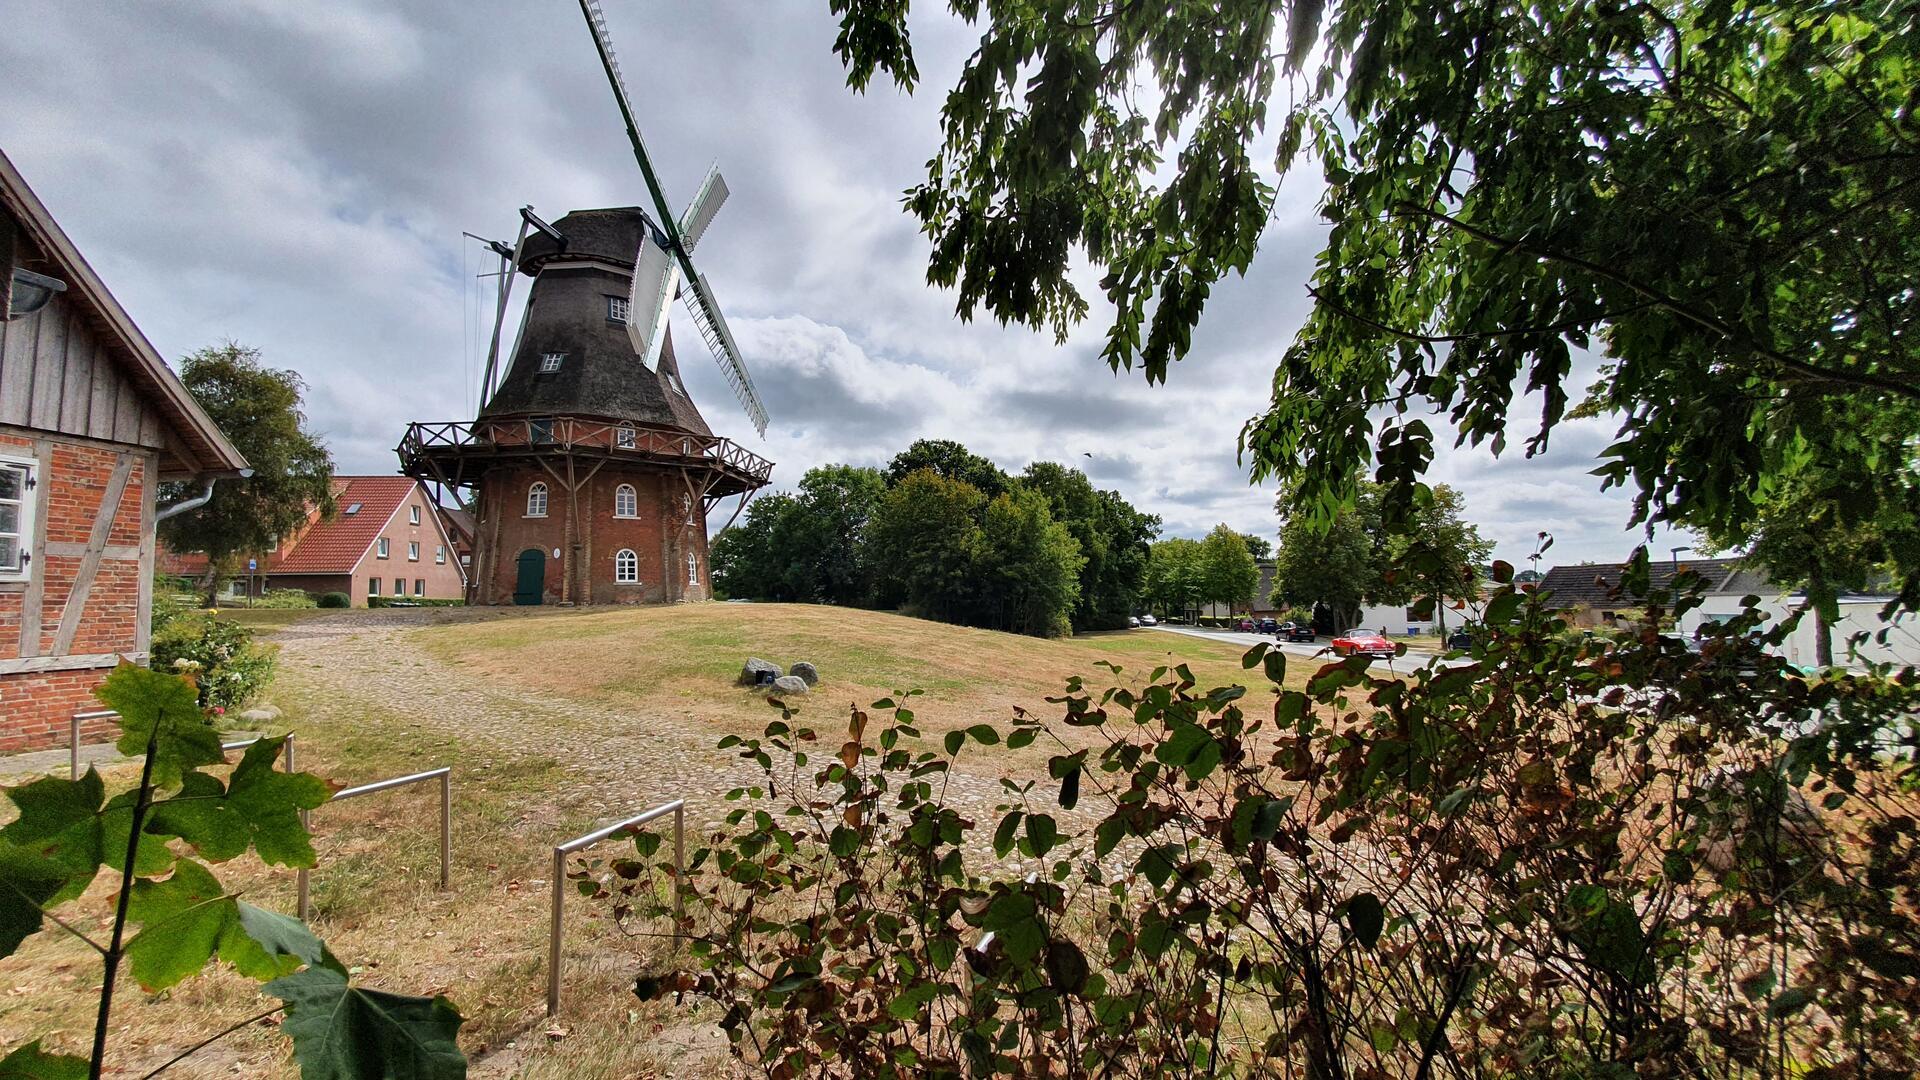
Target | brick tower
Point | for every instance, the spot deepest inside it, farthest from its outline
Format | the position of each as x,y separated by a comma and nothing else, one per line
589,475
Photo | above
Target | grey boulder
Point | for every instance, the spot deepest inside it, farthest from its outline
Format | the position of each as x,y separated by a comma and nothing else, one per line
805,672
758,672
790,686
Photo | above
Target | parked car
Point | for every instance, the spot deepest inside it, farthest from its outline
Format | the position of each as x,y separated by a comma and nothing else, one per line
1147,620
1133,623
1267,626
1460,639
1362,643
1293,631
1246,626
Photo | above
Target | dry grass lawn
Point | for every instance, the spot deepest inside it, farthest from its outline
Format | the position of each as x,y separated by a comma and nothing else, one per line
483,942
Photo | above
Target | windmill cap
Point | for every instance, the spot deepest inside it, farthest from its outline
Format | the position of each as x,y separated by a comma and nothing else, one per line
611,234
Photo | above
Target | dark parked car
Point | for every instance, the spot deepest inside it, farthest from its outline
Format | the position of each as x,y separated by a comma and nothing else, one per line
1293,631
1460,639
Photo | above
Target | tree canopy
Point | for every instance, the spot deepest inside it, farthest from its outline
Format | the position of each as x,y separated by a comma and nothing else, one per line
1718,198
258,408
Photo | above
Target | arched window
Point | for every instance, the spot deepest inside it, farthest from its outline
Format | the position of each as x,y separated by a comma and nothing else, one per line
537,499
626,502
626,567
623,437
693,570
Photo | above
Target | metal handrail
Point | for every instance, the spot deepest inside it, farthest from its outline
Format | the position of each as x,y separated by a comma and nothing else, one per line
678,808
444,774
73,740
566,433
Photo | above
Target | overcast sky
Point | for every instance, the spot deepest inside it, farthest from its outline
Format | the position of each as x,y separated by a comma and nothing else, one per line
296,176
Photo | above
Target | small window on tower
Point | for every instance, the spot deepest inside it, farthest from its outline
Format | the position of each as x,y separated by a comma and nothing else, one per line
626,502
617,309
550,362
626,567
623,437
536,500
673,382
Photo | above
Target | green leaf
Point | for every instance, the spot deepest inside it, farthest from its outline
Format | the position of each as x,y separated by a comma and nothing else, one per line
341,1032
910,1001
1070,789
1276,666
28,882
162,709
1365,916
1003,836
984,734
259,807
1043,833
29,1062
282,935
1255,655
60,822
188,918
1790,1002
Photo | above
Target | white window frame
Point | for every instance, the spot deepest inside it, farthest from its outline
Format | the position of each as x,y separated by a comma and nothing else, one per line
419,586
626,567
625,437
413,551
373,586
626,501
381,548
537,497
693,569
413,515
29,469
619,309
550,362
440,554
673,383
399,586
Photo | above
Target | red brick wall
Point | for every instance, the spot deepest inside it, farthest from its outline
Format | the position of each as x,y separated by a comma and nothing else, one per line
656,535
38,709
34,707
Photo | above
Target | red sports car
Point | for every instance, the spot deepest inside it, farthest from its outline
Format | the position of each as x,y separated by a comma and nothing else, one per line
1363,643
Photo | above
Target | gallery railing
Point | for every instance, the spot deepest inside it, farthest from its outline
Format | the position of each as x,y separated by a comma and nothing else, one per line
565,433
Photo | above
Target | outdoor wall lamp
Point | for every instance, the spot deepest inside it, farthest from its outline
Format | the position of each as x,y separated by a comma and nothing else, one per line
31,292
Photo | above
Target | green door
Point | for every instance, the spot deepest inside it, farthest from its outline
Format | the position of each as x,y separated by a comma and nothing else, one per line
531,584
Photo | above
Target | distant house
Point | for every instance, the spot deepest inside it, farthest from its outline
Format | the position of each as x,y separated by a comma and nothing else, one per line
387,538
91,422
1585,592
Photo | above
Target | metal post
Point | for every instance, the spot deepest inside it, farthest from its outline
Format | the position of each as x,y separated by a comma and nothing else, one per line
446,829
300,883
73,750
679,868
560,852
553,932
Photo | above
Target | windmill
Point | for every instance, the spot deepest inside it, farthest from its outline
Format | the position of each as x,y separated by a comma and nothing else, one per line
589,471
665,258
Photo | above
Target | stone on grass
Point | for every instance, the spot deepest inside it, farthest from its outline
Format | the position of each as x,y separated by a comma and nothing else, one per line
261,715
758,672
790,686
806,672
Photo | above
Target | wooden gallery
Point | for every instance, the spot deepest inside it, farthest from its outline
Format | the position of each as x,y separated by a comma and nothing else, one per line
92,421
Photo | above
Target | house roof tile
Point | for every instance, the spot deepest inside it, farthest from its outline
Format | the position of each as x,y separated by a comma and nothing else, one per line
324,547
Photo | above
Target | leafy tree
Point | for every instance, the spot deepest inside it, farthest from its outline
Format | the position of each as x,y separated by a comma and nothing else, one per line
171,917
926,525
1175,576
835,503
1113,539
1824,543
1027,567
1257,546
750,559
951,460
259,410
1228,573
1435,559
1718,197
1335,565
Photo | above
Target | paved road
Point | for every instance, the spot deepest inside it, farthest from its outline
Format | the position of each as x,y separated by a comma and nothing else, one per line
1415,657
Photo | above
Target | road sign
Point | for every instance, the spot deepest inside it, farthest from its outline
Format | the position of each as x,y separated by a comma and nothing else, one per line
252,565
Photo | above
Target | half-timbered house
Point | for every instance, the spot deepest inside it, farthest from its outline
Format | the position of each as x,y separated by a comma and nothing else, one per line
91,421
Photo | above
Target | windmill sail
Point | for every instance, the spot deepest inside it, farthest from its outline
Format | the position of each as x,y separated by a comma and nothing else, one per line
713,330
706,203
656,278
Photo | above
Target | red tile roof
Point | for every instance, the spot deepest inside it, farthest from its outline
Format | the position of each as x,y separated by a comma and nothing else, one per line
334,547
324,547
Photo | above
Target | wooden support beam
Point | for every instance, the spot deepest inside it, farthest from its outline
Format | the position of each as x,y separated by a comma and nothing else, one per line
90,562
